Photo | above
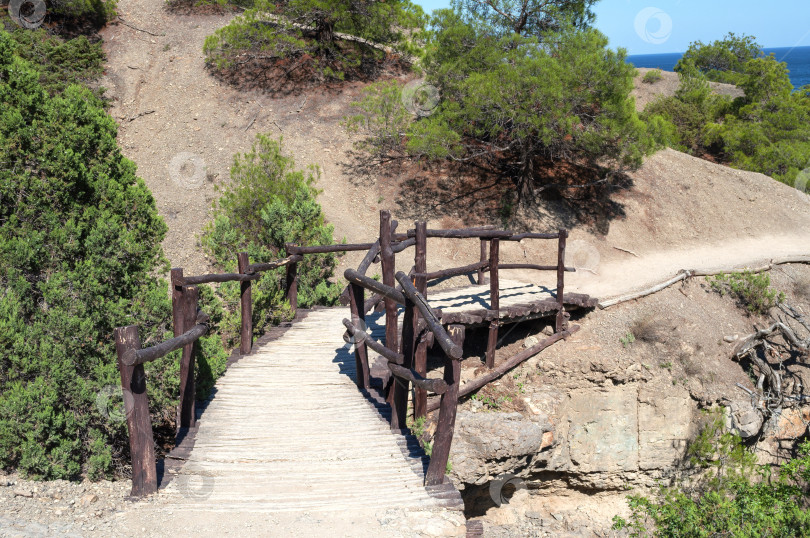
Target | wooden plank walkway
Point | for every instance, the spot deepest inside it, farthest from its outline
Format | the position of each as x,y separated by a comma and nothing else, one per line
288,430
519,300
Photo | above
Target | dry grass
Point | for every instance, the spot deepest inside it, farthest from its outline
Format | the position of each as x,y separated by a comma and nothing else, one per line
801,289
651,330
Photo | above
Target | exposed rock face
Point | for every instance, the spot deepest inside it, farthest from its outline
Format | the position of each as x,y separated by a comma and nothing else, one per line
742,417
487,445
603,438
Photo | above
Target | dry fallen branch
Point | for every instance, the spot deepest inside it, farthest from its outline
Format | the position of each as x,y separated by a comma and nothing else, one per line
683,274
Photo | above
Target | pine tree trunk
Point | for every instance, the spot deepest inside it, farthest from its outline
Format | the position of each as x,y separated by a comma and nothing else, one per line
325,31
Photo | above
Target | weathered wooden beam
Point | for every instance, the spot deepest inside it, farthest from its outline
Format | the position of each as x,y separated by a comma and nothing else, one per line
420,283
246,307
532,235
136,407
323,249
218,277
402,245
390,300
362,268
482,259
438,386
535,267
465,233
268,266
149,354
291,280
370,284
443,438
400,388
186,416
561,323
478,382
362,336
356,295
494,300
429,316
454,271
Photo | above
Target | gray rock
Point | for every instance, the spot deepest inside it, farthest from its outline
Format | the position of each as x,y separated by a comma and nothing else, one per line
530,341
488,445
743,417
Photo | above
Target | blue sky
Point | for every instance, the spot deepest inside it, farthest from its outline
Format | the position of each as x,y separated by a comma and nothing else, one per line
661,26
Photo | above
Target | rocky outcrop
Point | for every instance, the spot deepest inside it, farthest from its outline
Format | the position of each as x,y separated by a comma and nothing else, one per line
597,439
488,445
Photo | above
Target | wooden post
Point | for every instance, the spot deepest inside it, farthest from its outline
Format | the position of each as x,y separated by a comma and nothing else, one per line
387,262
177,301
420,283
494,301
292,284
561,325
400,387
246,340
136,406
483,258
447,414
356,301
186,413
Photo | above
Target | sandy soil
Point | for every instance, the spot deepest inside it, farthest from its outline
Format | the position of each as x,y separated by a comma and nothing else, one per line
668,85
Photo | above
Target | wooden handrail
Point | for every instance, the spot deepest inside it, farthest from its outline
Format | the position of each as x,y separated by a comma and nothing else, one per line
324,249
455,271
257,267
535,267
141,356
468,233
437,386
363,337
433,323
377,287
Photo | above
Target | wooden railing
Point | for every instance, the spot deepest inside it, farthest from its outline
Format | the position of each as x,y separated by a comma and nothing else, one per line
402,364
422,327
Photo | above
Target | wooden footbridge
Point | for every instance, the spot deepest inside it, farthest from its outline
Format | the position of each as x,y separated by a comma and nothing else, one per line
305,422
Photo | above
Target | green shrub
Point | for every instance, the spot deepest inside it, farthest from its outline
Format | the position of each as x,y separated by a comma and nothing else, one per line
723,60
381,117
689,113
739,498
752,290
79,250
268,203
60,62
651,77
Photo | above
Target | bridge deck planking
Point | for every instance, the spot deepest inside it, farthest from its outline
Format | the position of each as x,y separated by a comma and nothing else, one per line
288,430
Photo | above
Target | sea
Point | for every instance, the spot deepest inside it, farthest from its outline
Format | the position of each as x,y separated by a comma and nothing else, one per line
797,59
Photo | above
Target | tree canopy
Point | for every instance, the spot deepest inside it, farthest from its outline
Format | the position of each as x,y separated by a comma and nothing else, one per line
296,28
723,60
525,100
525,17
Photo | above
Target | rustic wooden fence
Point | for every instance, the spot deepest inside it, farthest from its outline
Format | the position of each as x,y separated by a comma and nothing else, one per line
422,327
